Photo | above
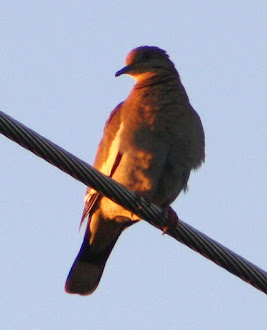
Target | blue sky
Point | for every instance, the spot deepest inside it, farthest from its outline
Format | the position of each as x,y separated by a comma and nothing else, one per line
58,62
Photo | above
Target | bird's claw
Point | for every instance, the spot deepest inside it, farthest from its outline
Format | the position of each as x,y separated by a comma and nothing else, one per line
173,220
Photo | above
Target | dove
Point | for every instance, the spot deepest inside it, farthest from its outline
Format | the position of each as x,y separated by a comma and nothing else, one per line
151,143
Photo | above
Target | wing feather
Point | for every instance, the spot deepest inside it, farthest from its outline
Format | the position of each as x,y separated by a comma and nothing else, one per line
107,158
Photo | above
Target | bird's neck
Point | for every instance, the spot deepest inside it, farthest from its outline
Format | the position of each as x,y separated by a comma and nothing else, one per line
149,79
160,88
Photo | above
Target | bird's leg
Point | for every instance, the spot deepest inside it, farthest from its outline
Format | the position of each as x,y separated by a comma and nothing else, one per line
173,219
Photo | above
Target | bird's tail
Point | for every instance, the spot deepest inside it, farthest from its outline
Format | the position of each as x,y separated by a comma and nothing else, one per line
99,240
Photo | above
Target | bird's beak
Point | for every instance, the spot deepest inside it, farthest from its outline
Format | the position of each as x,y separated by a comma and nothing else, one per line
126,69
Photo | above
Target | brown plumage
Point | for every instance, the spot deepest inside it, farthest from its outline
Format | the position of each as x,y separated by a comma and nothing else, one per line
151,142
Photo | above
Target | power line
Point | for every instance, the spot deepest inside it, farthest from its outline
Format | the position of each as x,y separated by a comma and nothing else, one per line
86,174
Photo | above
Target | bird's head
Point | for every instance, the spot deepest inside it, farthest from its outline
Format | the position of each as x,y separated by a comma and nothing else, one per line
146,61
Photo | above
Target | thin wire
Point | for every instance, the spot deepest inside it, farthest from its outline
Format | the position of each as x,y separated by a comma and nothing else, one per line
86,174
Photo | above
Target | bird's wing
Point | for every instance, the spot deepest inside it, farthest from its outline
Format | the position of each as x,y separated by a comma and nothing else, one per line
107,158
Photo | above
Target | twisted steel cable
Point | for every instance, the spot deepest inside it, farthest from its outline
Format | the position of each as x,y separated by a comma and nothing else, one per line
86,174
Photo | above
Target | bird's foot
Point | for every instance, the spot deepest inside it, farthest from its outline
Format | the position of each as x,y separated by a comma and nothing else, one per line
172,222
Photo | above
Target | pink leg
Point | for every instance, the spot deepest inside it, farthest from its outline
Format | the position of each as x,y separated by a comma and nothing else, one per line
173,220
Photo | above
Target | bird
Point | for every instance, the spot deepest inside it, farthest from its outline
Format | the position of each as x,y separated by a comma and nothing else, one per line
150,144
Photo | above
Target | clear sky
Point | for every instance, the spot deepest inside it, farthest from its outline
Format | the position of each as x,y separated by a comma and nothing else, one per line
58,60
